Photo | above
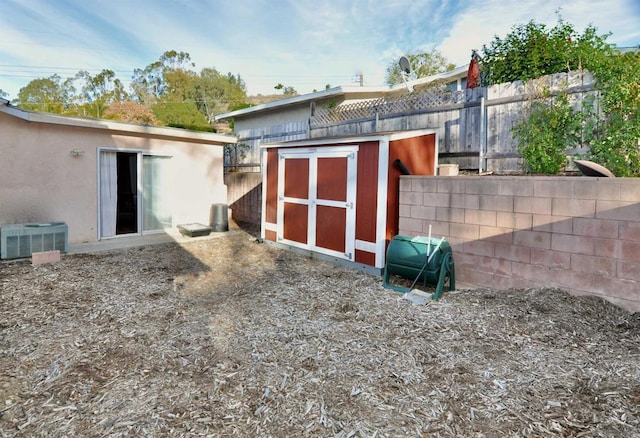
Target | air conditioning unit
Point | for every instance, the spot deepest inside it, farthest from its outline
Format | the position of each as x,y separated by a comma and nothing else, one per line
22,240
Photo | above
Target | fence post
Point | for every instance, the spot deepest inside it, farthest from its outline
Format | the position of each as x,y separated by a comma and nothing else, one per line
483,135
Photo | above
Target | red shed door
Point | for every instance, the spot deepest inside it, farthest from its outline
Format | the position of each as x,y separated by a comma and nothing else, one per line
316,199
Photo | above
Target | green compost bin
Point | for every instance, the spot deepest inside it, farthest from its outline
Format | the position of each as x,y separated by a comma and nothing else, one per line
407,258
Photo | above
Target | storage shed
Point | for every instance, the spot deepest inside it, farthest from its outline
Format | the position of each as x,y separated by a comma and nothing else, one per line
337,198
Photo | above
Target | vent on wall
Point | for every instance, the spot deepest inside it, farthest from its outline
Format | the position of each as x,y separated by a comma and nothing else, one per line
21,240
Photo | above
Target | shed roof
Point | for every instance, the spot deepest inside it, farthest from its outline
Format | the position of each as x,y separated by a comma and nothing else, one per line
351,138
113,126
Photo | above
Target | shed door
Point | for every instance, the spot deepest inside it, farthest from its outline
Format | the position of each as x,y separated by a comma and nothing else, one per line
316,199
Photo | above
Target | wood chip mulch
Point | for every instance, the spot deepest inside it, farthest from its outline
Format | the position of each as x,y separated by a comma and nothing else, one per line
229,337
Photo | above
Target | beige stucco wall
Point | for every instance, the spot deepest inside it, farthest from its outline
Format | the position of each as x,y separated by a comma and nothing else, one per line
41,181
578,234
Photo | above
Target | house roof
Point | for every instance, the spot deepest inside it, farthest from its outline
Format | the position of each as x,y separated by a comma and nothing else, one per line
351,92
113,126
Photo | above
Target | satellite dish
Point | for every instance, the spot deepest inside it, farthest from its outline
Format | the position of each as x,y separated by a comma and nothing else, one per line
405,70
405,66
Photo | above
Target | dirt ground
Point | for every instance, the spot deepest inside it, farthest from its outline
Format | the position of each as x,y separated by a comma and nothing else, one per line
230,337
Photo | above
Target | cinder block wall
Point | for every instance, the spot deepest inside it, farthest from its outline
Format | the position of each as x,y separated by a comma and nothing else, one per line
579,234
244,196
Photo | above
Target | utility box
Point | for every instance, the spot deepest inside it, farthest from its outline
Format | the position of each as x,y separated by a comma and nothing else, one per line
21,240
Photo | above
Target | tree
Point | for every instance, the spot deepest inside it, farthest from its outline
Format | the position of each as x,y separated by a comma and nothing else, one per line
98,91
161,77
181,115
3,94
549,127
423,64
287,90
616,142
46,94
215,93
531,50
612,132
130,112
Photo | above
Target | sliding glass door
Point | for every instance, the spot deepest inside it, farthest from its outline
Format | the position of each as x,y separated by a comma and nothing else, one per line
134,193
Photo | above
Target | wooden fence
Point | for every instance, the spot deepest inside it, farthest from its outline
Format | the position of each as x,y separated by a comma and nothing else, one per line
474,126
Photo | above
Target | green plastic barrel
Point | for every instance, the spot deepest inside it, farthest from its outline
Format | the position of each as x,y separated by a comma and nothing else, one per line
406,258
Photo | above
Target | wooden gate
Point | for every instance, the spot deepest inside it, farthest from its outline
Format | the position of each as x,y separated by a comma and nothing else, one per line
316,199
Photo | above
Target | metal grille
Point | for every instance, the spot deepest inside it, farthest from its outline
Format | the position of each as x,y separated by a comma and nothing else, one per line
369,109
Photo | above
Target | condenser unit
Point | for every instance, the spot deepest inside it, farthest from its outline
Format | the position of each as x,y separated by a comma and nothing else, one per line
22,240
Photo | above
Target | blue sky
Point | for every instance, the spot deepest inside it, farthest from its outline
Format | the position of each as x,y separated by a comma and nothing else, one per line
301,43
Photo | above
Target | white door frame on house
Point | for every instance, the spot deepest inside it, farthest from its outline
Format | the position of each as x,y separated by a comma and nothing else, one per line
313,201
152,208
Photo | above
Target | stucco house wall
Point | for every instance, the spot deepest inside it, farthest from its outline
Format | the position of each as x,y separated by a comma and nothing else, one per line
49,168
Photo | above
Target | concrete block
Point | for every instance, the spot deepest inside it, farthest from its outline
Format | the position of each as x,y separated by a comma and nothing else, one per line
421,212
553,188
593,264
573,244
618,210
573,207
603,228
465,231
479,247
628,270
436,200
451,185
513,253
39,258
629,230
517,221
465,201
496,234
532,239
411,198
409,225
550,259
450,214
422,184
630,190
496,203
532,205
480,217
552,224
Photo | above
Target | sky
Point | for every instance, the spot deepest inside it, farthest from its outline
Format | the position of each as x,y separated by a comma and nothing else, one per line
305,44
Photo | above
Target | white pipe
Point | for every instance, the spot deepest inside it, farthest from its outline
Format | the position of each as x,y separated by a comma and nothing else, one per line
435,250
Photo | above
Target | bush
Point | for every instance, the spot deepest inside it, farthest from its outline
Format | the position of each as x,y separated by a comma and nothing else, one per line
545,132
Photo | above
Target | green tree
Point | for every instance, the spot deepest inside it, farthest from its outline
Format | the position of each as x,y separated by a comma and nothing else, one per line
163,76
612,132
99,91
547,129
616,142
50,94
423,64
215,93
3,94
532,50
181,115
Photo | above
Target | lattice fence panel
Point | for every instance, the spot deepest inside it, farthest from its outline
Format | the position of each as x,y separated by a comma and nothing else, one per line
431,98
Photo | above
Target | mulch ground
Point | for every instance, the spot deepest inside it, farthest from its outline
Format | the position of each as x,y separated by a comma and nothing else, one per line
230,337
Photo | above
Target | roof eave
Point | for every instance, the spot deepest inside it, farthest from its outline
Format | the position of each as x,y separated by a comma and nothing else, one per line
177,133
